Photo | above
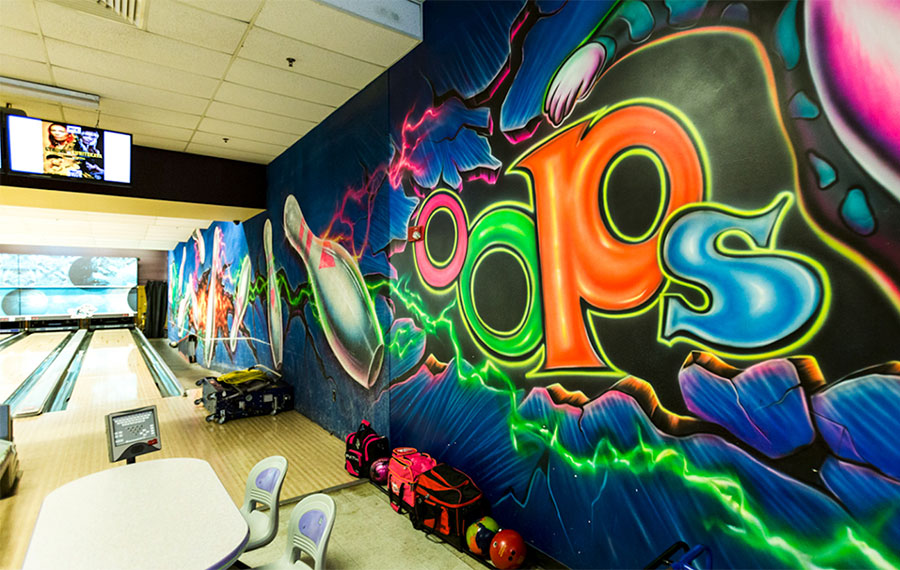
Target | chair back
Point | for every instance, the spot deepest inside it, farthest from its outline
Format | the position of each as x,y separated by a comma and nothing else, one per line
263,487
310,528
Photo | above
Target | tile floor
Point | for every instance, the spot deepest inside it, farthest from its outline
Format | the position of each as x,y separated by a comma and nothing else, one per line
368,534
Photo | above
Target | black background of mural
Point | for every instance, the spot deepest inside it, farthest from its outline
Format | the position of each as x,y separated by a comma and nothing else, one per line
717,81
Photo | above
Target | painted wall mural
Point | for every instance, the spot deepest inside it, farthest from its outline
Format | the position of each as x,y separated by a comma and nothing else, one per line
660,245
657,296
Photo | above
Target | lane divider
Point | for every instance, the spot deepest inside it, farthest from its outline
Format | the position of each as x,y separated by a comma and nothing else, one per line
20,393
162,376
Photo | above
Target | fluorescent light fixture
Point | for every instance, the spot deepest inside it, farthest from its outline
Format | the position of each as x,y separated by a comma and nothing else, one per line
49,93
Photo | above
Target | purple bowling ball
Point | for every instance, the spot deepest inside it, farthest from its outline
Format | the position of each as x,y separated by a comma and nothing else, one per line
379,471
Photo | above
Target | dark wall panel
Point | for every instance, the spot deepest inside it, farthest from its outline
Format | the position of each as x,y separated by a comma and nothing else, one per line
168,175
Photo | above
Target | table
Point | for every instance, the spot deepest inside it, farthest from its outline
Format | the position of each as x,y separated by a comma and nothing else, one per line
167,513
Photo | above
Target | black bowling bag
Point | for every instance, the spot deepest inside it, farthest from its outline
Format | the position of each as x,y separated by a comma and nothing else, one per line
364,447
256,397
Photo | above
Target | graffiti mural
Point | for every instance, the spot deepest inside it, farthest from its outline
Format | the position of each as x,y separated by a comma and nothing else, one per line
648,229
657,294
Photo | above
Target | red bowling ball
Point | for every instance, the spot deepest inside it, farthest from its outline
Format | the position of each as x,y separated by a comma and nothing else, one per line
508,549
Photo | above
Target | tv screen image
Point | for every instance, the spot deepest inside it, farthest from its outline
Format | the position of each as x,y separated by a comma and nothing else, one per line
62,149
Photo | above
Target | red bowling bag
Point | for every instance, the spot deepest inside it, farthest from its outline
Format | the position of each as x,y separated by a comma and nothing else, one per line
447,501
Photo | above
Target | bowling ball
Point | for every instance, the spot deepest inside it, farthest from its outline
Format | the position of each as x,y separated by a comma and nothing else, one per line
479,535
25,302
88,271
133,298
508,549
378,472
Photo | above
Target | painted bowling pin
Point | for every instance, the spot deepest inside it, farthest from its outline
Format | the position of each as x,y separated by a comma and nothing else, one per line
180,283
240,302
209,339
276,339
181,318
194,305
200,245
345,308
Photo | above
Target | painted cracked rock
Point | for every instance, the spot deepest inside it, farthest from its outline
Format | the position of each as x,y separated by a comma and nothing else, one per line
764,405
854,428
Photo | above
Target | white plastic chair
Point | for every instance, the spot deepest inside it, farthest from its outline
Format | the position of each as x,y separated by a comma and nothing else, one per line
309,530
263,487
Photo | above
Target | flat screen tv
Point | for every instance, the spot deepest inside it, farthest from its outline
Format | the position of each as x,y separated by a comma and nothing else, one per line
50,148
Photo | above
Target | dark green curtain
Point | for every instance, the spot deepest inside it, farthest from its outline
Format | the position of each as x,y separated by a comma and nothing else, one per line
157,292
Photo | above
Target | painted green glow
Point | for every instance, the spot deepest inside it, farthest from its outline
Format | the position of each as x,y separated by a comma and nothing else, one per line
643,459
258,288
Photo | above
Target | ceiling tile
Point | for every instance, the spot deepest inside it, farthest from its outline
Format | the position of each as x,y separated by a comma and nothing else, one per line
270,48
158,142
129,91
245,116
37,109
271,102
84,117
21,44
186,23
207,150
105,64
19,14
145,113
237,143
166,245
288,83
144,128
98,33
228,129
357,38
187,222
29,70
242,10
118,228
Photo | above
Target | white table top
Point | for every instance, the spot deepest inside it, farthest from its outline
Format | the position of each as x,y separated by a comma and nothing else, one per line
167,513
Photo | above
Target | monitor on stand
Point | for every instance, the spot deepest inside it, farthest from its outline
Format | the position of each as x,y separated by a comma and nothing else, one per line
131,433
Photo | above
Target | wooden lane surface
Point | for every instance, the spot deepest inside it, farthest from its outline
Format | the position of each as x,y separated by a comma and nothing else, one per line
112,371
20,359
58,447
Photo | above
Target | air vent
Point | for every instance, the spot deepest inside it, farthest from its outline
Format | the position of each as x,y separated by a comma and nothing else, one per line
127,11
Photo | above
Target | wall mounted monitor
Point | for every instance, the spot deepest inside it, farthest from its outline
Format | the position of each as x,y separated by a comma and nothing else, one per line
36,146
131,433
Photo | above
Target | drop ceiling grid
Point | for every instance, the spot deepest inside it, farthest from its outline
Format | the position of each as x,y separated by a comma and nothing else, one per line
202,70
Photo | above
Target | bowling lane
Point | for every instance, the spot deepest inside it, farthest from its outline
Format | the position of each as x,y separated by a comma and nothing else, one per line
113,371
20,359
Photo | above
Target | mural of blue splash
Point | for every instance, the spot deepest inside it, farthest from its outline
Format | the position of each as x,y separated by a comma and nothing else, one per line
825,173
856,430
872,498
547,46
856,212
684,11
802,107
450,147
479,42
633,503
787,40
